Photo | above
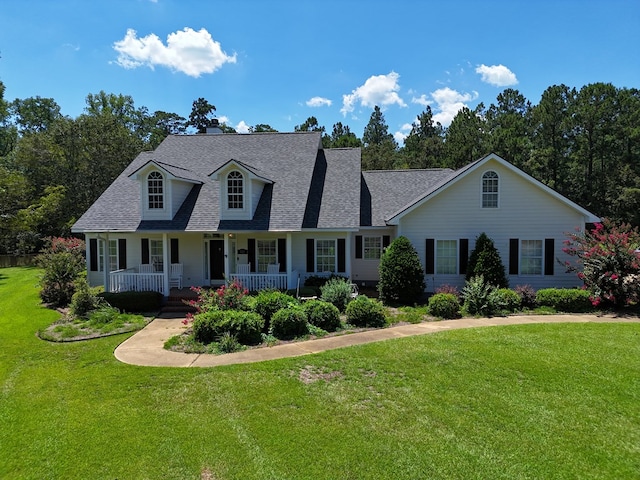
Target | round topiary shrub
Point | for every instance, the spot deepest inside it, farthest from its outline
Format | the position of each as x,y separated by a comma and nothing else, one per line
401,273
337,291
506,300
444,305
205,326
365,312
322,314
288,323
268,302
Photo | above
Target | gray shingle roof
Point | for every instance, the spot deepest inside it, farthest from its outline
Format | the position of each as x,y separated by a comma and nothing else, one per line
288,159
385,192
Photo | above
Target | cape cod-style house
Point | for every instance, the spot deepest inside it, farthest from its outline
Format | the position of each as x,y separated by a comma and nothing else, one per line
271,209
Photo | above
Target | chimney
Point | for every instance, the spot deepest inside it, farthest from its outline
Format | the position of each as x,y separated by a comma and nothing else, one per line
213,129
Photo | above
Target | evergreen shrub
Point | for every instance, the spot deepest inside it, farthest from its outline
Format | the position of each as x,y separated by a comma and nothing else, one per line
444,305
289,322
485,260
268,302
322,314
570,300
366,312
401,274
337,291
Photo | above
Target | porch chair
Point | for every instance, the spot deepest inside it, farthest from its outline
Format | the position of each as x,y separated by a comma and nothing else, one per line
146,268
243,268
175,275
272,269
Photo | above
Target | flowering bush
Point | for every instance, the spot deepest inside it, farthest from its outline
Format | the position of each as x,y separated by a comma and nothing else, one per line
610,262
227,297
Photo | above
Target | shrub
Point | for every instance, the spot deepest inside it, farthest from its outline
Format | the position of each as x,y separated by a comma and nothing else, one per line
444,305
610,262
527,296
268,302
366,312
317,281
227,297
84,300
103,315
574,300
245,326
337,291
505,300
62,260
134,302
322,314
401,273
475,295
289,322
485,260
228,343
449,289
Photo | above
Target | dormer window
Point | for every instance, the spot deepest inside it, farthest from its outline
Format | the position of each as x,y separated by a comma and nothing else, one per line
235,190
155,186
490,189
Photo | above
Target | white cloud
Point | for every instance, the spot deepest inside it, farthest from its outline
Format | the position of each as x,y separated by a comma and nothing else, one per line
403,133
421,100
497,75
242,127
318,102
186,51
448,103
378,90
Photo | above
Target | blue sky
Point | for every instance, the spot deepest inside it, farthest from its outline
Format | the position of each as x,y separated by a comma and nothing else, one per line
280,62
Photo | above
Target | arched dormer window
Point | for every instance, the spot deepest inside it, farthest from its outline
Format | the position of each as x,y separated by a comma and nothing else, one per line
155,187
235,190
490,185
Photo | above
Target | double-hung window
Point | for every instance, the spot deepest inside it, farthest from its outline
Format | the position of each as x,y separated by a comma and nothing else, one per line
108,258
372,247
155,255
446,256
155,187
531,257
267,254
325,256
490,188
235,190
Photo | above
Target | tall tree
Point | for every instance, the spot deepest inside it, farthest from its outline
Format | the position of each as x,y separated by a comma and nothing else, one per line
163,124
262,128
8,132
508,124
201,115
380,148
35,114
423,146
341,137
465,138
310,125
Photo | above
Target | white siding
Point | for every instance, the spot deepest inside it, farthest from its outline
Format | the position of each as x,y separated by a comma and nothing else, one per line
179,191
363,270
256,191
525,212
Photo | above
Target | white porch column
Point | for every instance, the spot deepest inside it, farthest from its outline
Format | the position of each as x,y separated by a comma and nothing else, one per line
166,264
290,281
347,255
105,262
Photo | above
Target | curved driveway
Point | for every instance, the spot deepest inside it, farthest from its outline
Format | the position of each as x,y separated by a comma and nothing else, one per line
146,347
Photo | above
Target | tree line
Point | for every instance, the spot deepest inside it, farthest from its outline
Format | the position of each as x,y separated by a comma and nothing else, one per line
583,143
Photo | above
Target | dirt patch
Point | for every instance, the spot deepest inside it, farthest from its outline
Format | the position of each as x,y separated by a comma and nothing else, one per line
310,374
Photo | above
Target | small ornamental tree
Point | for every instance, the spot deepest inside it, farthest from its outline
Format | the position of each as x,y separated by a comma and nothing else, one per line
610,258
62,260
401,273
485,261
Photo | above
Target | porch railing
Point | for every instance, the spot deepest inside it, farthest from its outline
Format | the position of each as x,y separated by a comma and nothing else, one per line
131,281
260,281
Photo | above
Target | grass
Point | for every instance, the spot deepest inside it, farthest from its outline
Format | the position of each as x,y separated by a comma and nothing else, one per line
513,402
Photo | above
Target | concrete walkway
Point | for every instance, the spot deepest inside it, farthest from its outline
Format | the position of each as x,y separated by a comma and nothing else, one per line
145,347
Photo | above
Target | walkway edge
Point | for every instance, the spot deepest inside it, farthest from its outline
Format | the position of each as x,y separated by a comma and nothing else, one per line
146,347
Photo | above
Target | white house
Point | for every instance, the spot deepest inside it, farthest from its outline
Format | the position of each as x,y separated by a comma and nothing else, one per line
272,209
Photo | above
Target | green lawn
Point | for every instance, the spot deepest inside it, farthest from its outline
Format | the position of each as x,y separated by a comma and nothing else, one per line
535,401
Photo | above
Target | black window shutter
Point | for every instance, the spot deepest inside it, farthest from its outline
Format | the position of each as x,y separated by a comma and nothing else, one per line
548,256
145,251
358,246
386,240
342,265
175,256
251,245
122,253
514,256
429,259
93,254
282,254
311,255
464,255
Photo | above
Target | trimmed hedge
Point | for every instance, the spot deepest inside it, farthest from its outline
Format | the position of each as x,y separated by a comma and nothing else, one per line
322,314
210,326
134,302
288,323
571,300
444,305
506,300
365,312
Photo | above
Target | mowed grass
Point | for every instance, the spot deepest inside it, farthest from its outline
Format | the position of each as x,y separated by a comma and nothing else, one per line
534,401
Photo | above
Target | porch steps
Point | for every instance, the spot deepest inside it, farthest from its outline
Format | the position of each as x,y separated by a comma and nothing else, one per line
175,303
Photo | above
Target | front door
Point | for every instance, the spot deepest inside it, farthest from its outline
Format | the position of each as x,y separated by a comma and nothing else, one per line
216,259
